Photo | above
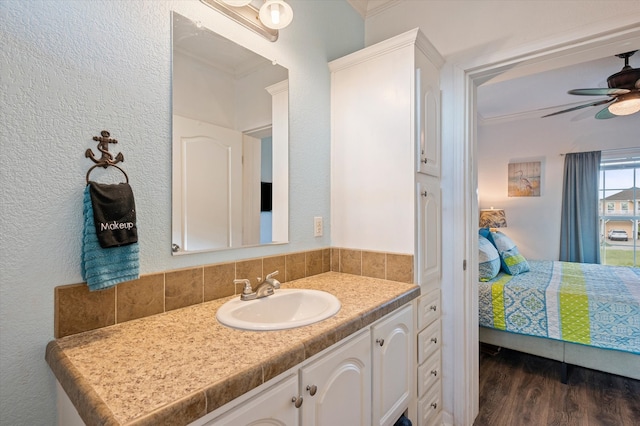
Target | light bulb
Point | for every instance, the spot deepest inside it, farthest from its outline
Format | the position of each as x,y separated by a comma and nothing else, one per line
626,104
276,14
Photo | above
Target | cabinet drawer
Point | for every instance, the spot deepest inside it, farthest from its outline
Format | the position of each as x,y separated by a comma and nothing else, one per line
428,309
429,408
428,341
429,374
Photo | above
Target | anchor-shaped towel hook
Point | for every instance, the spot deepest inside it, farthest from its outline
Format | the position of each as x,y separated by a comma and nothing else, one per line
106,159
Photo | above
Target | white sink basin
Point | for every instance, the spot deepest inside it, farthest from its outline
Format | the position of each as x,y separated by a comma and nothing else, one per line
286,308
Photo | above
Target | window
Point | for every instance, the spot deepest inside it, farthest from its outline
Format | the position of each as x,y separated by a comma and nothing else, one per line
619,198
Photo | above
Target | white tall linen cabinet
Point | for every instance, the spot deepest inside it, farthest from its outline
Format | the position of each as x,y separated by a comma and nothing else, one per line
385,179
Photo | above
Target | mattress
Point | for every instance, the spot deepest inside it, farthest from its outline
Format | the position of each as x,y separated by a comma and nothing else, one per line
595,305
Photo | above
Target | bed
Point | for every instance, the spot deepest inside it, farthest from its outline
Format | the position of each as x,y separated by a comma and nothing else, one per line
580,314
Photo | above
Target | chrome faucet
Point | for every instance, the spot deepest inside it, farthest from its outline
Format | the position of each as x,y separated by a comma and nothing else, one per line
264,289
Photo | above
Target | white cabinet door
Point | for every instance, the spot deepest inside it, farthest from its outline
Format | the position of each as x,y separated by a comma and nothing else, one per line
429,231
273,407
393,367
337,387
427,115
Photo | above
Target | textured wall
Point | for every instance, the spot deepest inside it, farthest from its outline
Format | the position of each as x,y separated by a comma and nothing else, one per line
70,69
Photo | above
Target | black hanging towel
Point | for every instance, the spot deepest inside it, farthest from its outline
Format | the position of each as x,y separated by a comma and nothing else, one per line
114,214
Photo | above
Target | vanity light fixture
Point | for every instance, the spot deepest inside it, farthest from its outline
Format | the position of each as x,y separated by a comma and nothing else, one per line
266,21
237,3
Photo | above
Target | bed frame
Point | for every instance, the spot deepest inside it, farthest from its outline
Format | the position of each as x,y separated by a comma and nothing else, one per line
610,361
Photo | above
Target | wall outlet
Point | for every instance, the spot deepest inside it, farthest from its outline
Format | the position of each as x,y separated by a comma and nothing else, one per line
317,226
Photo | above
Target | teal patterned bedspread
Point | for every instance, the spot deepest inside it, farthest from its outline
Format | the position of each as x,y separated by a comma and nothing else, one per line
595,305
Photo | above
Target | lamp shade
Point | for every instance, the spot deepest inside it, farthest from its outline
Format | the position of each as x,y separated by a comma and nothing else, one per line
493,218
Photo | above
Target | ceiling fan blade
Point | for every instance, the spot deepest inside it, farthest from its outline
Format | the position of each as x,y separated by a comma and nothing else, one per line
604,113
602,102
598,92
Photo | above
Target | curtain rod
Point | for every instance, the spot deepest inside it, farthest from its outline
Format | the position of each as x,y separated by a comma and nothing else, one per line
609,151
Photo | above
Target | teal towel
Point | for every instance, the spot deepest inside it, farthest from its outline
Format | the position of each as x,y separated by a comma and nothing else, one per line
105,267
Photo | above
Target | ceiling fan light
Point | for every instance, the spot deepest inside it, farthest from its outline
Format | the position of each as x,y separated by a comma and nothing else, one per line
626,104
276,14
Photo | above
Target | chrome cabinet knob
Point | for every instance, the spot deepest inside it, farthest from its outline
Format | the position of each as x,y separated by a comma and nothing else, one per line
380,341
312,389
434,339
297,402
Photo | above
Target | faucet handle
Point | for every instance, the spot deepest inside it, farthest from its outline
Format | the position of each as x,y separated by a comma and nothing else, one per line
247,285
274,282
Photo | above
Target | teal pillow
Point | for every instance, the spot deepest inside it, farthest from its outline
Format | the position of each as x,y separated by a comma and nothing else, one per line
488,259
512,261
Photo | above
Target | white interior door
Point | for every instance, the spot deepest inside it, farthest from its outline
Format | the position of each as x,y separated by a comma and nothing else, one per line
251,190
208,185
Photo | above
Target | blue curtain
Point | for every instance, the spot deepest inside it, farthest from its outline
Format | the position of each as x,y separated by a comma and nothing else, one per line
579,226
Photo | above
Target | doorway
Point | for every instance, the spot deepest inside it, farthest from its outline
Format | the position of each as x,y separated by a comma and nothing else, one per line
459,83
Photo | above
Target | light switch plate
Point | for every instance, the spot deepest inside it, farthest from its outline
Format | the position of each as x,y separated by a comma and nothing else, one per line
317,226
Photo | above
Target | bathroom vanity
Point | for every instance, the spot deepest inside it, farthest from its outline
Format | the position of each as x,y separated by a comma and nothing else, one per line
184,367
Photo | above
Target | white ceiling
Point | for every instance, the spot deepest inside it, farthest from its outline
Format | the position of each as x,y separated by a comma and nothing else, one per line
211,48
541,88
546,91
525,90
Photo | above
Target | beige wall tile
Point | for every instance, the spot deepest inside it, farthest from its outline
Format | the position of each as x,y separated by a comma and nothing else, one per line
335,259
140,298
400,267
275,263
296,267
77,309
250,269
351,261
313,260
218,281
374,264
326,260
183,288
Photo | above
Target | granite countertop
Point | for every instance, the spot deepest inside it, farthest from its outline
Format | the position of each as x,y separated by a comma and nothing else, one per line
176,367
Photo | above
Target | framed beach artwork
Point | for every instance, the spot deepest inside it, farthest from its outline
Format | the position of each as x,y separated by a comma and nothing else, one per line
524,179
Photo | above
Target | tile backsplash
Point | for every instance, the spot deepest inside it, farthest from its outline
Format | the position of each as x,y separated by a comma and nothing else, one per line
77,309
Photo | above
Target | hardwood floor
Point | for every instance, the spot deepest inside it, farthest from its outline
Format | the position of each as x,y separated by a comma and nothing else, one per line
518,389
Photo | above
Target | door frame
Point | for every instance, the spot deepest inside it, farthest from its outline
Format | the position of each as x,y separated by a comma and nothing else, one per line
460,78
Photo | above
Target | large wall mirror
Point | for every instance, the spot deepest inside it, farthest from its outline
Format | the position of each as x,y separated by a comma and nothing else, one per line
230,171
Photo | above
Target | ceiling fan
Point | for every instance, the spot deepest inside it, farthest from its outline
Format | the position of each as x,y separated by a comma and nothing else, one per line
623,92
